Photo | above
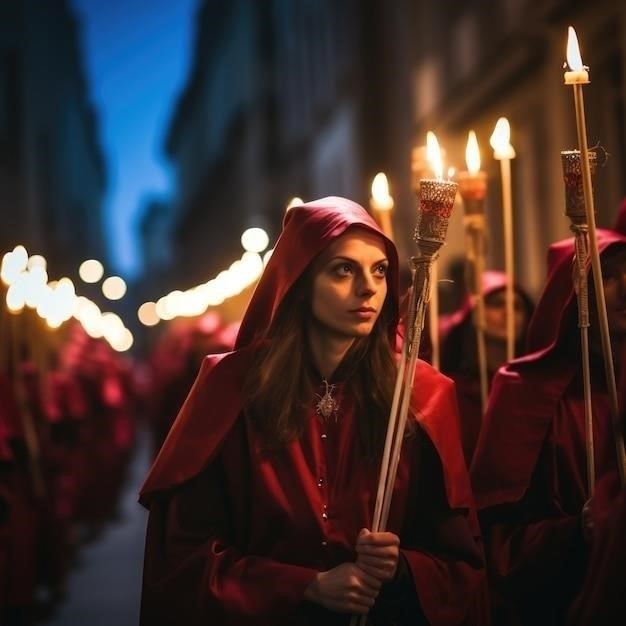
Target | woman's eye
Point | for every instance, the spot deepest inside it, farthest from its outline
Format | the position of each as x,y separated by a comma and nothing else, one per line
381,269
344,269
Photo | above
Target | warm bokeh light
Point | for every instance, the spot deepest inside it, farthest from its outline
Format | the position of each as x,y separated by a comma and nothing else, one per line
500,140
433,154
20,257
15,298
91,271
381,200
254,240
574,60
37,260
472,153
114,287
147,314
14,263
123,342
295,201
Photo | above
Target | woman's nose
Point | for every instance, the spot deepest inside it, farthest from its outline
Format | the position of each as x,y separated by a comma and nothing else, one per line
366,284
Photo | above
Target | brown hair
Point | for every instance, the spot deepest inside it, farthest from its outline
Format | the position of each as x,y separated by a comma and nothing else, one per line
279,388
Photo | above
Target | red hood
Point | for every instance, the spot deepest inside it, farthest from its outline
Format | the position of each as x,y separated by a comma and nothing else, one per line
557,298
307,230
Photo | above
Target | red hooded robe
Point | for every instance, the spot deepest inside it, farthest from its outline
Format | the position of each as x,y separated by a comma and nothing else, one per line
530,471
235,536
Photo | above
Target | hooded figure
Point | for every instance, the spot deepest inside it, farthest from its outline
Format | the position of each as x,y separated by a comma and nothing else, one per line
459,357
529,471
262,494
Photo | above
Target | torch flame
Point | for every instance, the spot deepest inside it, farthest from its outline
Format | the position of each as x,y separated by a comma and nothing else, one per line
380,192
574,60
500,140
433,154
472,153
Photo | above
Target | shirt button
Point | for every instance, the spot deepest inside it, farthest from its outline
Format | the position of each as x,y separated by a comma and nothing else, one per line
320,482
324,435
324,544
324,516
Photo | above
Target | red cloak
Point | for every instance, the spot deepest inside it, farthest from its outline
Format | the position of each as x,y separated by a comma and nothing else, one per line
529,470
235,537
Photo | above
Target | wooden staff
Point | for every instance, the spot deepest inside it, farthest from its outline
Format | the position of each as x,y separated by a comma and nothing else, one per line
577,77
575,210
436,202
473,188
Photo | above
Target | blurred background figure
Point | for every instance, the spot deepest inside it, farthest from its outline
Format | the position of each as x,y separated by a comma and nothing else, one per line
459,353
175,362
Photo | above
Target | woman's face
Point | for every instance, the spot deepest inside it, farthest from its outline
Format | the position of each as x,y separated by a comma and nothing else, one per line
350,285
495,315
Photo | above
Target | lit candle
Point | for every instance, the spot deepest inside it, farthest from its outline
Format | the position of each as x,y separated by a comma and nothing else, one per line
382,203
431,190
577,77
473,189
503,151
577,74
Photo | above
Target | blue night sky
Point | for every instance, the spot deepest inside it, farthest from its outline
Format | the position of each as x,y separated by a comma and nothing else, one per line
137,57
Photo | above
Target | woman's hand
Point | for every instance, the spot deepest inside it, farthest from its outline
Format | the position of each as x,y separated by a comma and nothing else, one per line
344,589
378,554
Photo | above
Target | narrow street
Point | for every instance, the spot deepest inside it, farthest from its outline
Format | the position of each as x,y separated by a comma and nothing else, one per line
104,586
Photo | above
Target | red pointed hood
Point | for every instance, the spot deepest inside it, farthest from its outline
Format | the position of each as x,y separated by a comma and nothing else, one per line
557,299
307,230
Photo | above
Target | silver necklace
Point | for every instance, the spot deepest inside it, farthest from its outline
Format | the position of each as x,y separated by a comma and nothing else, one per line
327,406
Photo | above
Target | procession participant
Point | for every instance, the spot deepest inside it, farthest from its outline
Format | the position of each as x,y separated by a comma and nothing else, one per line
459,358
262,495
529,471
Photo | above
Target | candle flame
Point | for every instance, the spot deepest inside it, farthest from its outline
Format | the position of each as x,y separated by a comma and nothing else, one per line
380,192
574,60
433,154
472,153
500,140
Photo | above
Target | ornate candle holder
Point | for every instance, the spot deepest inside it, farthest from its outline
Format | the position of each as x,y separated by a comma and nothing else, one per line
435,206
573,180
436,202
575,209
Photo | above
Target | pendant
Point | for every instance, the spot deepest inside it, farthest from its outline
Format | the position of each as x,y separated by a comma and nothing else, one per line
327,405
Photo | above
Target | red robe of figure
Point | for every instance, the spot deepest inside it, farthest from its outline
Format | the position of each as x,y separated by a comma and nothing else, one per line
236,535
530,469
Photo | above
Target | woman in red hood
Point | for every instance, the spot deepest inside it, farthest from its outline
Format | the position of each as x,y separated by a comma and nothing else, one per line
459,355
262,494
529,471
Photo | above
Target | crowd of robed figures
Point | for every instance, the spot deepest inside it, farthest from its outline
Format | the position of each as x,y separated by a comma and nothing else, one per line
261,503
263,521
67,431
